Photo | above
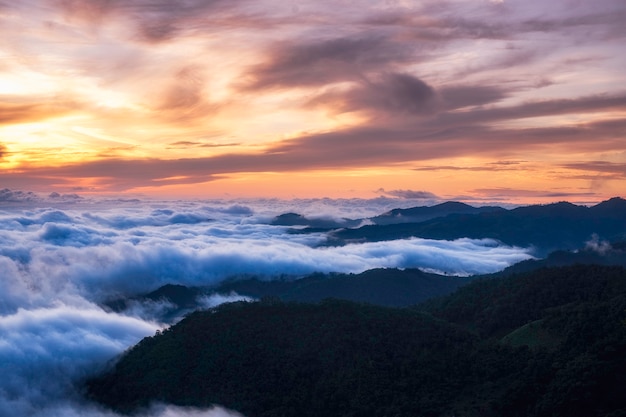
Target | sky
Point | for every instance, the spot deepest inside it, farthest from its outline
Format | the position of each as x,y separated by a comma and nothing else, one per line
62,258
476,100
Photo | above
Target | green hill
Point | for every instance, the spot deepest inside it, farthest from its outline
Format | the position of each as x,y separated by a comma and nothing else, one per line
389,287
268,359
547,343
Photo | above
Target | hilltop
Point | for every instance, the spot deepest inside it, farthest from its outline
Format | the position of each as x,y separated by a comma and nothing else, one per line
546,343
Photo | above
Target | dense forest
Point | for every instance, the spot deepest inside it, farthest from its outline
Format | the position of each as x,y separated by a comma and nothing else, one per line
550,342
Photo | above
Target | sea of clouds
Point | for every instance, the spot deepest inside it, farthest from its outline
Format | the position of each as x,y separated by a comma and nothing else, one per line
61,257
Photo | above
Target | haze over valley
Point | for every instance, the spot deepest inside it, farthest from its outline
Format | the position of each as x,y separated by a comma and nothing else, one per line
66,261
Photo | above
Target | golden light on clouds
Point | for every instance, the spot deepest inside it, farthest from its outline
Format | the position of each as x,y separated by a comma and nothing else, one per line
322,99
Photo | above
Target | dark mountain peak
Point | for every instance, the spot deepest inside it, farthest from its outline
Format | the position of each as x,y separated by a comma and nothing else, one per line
613,200
381,286
424,213
453,205
295,219
448,206
614,207
177,294
562,209
290,219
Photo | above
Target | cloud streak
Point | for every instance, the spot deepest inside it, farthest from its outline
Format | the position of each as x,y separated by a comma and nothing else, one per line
325,62
384,142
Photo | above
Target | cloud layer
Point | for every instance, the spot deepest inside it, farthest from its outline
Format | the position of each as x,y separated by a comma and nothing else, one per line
58,264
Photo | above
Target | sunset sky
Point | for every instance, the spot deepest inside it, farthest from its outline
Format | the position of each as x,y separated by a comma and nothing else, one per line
481,100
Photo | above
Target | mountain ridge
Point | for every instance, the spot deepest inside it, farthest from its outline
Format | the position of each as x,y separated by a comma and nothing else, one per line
545,227
390,287
472,353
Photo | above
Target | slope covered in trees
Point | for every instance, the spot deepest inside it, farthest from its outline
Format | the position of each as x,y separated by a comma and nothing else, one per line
547,343
269,359
546,227
389,287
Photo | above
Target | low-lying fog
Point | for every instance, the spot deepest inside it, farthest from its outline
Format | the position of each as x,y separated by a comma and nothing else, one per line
60,258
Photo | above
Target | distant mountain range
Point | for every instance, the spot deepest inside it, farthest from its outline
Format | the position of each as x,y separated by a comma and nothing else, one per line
295,219
546,228
385,287
421,214
543,338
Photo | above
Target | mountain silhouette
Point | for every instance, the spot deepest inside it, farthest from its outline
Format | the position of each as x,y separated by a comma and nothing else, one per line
549,343
423,213
545,227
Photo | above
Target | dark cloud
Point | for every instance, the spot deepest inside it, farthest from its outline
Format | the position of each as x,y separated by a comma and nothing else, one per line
185,144
355,147
182,144
399,94
395,94
162,20
445,23
293,64
437,26
17,196
64,197
484,116
618,169
507,193
459,96
410,194
609,24
490,166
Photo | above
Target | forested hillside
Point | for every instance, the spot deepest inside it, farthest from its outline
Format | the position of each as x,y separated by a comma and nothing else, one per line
547,343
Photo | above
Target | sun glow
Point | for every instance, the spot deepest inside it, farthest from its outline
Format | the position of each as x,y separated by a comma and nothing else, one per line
238,98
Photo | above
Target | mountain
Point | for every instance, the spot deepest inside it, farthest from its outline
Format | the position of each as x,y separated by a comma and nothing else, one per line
613,207
295,219
495,307
423,213
594,253
545,227
546,343
384,286
395,216
389,287
166,304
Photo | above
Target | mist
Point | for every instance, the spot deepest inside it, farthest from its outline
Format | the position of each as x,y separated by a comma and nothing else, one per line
60,262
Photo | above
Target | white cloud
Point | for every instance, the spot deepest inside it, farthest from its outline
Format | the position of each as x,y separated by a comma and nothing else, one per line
57,263
212,300
44,352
